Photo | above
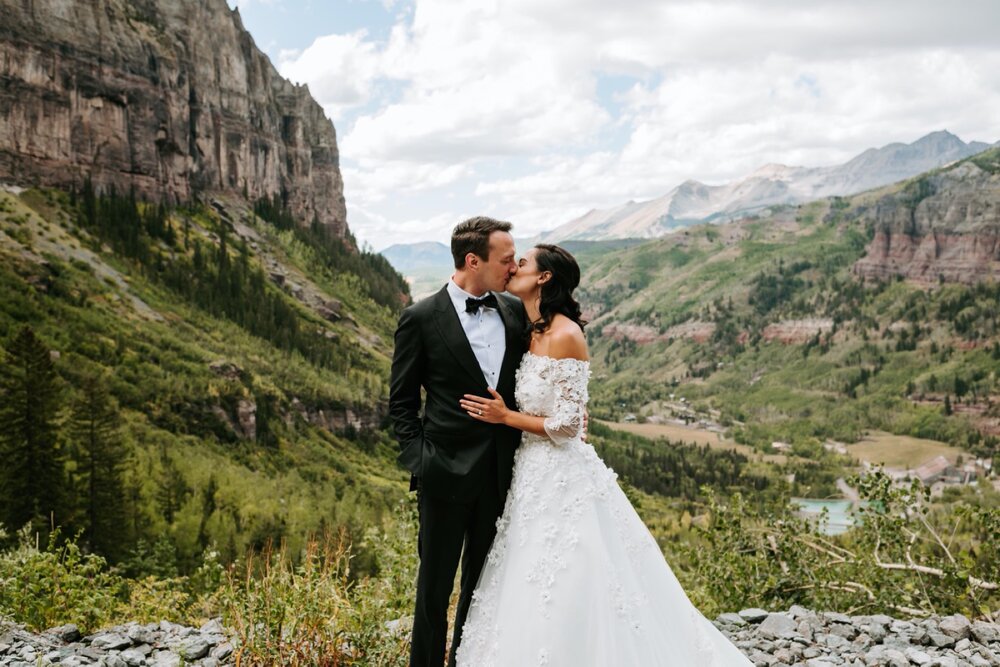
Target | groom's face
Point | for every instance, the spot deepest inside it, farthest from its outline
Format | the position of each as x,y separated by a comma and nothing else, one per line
496,272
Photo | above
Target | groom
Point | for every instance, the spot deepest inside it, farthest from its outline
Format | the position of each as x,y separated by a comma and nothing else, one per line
467,337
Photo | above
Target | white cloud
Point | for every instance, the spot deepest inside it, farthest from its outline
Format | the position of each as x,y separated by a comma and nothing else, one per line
391,179
340,70
717,123
442,105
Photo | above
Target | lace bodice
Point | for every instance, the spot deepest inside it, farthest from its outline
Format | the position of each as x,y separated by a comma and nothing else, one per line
555,389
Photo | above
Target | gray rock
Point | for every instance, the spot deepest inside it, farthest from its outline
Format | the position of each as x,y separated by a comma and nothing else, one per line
142,635
778,626
845,630
133,657
917,657
939,639
753,615
222,651
956,626
110,642
165,659
835,642
894,658
836,617
193,648
213,627
985,632
730,618
67,633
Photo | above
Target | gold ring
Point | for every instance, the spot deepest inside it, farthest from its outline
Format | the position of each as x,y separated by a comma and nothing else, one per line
480,413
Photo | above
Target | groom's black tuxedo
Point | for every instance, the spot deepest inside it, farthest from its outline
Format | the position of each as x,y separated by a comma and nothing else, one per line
446,451
460,466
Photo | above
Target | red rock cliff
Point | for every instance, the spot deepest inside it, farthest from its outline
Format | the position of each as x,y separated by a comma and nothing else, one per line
945,225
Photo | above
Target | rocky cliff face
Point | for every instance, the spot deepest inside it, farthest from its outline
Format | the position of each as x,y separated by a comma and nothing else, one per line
170,97
943,226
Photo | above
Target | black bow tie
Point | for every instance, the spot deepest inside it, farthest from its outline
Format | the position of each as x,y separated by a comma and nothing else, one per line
489,301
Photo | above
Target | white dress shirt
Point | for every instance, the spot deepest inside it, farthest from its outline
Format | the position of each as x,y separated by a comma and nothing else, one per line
485,331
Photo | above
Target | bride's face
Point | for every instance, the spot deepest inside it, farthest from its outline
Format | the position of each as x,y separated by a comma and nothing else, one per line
526,284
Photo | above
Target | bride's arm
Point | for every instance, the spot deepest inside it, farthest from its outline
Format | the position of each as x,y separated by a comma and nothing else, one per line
568,419
495,411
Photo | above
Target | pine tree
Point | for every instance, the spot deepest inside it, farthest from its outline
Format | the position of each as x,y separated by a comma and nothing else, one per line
208,505
32,476
171,489
101,459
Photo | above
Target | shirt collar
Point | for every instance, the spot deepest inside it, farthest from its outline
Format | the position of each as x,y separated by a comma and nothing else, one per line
459,295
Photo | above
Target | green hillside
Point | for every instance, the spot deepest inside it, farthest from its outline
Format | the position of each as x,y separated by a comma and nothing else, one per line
244,361
763,325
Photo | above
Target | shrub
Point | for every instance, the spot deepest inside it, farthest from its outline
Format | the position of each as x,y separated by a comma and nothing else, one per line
60,584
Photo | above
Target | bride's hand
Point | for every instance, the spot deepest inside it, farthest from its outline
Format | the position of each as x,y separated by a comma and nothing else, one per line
489,410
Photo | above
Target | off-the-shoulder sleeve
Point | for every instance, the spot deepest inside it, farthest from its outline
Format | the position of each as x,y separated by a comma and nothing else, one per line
569,379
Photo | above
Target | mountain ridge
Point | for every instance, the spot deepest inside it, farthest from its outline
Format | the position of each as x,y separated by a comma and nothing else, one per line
771,184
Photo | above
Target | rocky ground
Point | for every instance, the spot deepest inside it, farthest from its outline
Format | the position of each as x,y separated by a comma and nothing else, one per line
162,644
797,637
805,638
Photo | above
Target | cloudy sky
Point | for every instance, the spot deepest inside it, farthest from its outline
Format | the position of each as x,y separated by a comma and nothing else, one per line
536,111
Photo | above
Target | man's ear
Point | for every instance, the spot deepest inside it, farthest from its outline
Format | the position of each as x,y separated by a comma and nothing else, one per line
472,261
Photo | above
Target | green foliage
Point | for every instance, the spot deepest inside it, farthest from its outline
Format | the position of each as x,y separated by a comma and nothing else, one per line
100,458
224,286
988,161
32,476
878,338
111,315
770,290
60,584
382,282
907,555
672,469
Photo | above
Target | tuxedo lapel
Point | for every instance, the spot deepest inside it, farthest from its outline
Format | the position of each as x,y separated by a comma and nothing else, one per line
450,328
514,347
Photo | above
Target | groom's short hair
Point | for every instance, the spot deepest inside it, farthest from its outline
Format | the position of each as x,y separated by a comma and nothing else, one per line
473,235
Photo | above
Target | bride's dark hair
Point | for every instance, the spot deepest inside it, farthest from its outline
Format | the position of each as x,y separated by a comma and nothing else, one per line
557,292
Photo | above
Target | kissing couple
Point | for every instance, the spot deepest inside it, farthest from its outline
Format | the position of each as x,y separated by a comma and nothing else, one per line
557,567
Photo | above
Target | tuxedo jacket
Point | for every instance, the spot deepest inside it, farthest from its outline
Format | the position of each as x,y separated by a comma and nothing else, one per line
449,454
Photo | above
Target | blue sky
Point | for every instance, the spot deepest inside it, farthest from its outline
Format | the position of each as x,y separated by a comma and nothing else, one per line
537,111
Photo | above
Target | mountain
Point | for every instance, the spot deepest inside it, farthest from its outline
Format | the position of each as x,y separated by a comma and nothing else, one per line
426,265
173,233
409,258
817,321
692,202
939,227
170,98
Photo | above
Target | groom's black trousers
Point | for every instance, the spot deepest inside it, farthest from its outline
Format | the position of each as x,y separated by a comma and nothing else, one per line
445,528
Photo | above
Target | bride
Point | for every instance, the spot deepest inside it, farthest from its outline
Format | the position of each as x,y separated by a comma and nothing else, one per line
573,577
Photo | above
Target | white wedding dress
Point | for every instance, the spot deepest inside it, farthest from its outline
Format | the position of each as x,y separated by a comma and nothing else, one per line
574,577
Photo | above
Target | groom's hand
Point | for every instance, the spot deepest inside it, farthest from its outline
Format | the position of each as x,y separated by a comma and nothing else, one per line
586,420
